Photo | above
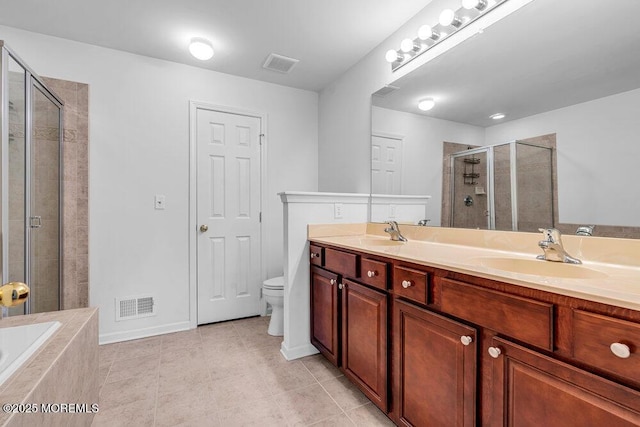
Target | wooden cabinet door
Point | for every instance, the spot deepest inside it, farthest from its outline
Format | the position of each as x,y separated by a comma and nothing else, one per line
364,340
531,389
325,311
434,369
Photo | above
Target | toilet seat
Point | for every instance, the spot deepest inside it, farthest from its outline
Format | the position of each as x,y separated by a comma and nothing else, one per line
276,283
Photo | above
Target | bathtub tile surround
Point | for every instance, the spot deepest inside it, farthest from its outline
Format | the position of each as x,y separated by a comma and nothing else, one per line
224,374
75,207
63,370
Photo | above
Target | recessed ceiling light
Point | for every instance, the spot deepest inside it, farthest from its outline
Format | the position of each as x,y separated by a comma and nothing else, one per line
426,104
201,48
497,116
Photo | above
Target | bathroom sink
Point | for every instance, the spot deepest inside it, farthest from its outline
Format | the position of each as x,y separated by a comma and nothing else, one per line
380,242
540,268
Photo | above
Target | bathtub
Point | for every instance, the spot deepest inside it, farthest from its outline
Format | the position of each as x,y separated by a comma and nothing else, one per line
18,343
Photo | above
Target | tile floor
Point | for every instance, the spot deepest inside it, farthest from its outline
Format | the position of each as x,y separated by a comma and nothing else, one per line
225,374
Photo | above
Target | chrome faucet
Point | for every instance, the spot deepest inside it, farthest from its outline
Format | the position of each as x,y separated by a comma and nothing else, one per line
553,249
394,231
585,230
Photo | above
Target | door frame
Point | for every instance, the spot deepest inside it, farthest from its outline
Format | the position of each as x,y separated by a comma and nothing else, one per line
194,106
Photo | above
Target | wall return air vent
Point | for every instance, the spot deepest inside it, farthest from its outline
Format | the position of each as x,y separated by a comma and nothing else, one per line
135,307
279,63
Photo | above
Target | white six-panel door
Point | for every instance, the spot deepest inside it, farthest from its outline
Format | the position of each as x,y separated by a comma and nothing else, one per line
228,210
386,165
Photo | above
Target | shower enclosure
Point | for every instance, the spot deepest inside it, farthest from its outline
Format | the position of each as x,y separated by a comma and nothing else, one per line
507,186
31,184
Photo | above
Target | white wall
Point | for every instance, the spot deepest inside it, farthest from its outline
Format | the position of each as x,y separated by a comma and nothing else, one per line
422,149
139,147
345,114
595,139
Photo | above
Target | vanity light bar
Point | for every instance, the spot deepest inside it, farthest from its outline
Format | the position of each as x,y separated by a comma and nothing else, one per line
450,21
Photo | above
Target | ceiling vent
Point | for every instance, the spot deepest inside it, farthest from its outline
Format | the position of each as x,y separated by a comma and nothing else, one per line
279,63
385,91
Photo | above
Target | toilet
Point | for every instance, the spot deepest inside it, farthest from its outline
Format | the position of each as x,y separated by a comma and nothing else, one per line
273,292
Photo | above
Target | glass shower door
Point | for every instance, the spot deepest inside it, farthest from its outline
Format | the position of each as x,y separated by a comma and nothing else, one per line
14,180
470,190
31,124
44,220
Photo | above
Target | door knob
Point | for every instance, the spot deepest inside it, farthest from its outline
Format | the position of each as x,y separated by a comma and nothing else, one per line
204,228
13,293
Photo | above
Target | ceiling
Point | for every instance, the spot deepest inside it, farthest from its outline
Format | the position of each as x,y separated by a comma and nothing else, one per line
327,36
546,55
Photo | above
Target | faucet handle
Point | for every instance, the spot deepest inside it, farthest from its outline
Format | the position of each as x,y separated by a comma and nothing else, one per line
551,235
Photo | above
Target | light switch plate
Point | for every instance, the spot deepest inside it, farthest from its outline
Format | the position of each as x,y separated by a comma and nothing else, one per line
392,211
338,210
159,202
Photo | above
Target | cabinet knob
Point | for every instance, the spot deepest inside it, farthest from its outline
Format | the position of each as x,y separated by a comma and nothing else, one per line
332,281
406,283
342,286
313,255
620,350
494,352
372,273
466,340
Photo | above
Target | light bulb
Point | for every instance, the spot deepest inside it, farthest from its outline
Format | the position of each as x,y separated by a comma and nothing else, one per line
407,45
471,4
201,48
426,104
391,55
448,17
426,32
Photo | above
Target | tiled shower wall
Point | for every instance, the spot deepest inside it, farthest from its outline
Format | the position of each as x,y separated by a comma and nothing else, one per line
75,231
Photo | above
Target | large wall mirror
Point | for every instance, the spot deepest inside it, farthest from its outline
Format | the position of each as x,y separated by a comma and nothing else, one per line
566,76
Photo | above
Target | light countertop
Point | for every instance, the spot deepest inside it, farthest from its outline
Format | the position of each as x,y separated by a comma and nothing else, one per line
505,256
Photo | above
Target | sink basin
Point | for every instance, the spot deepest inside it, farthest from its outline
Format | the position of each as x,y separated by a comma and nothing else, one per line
540,268
380,242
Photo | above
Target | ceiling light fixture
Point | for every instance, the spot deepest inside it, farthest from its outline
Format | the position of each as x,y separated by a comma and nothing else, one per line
201,48
497,116
426,104
392,56
474,4
450,21
448,17
426,32
409,45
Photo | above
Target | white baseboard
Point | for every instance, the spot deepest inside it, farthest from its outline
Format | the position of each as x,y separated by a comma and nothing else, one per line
143,333
298,352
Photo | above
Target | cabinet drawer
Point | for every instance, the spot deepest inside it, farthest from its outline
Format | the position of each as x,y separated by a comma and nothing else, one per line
341,262
593,335
520,318
411,284
316,254
373,273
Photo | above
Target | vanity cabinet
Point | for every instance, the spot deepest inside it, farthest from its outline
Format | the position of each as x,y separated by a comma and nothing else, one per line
531,389
364,340
435,368
443,348
325,312
349,320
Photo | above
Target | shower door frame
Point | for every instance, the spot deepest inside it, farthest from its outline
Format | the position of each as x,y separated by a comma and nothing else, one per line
32,82
513,175
488,150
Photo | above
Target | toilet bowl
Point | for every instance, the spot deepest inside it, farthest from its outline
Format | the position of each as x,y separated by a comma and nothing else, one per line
273,292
